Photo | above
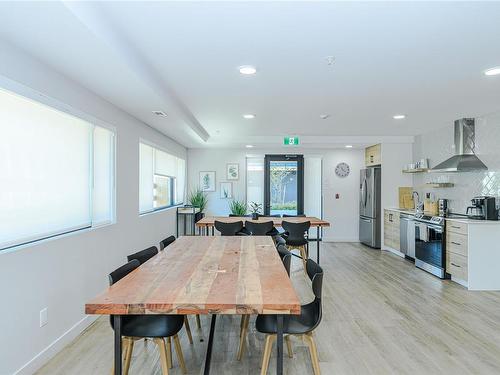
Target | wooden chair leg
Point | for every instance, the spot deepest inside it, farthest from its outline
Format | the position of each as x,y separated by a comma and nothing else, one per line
198,322
267,353
129,347
314,353
124,353
243,334
169,352
188,330
178,350
303,254
289,346
163,354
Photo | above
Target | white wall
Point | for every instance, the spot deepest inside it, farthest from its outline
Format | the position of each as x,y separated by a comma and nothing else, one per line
394,157
63,273
342,212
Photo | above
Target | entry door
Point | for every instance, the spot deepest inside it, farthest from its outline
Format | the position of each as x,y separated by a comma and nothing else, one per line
283,185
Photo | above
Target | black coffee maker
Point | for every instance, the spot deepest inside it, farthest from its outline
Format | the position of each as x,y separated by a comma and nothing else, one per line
483,208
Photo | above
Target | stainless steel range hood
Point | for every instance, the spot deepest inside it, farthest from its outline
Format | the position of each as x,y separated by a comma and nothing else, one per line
465,159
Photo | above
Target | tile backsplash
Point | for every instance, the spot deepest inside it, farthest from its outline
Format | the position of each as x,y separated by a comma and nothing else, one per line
438,146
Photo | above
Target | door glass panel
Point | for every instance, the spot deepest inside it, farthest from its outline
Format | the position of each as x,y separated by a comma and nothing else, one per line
283,187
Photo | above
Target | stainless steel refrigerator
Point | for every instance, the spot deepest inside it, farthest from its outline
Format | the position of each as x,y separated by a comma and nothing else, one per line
369,207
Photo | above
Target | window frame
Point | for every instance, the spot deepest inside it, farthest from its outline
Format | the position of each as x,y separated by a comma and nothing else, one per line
173,187
23,91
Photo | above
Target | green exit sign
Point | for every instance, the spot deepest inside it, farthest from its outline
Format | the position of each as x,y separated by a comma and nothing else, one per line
291,141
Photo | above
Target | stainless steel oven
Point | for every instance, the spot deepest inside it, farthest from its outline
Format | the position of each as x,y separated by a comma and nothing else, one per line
430,249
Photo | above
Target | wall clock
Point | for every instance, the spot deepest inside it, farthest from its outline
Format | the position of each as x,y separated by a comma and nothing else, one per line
342,170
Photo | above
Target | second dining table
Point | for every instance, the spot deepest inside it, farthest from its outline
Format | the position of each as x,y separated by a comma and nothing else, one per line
208,222
200,275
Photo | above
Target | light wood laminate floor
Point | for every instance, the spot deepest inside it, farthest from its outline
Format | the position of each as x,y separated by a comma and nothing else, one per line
381,315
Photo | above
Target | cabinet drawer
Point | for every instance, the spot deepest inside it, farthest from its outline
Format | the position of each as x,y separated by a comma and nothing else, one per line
456,265
456,227
456,243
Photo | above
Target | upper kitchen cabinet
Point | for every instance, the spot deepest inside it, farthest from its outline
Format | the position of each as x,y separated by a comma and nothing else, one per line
373,155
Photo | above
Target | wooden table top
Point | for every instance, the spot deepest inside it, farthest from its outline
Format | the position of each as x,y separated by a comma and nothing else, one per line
208,221
205,275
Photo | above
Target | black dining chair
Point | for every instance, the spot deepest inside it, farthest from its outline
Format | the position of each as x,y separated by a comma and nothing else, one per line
296,238
259,229
157,327
229,229
143,255
167,241
286,258
274,231
301,325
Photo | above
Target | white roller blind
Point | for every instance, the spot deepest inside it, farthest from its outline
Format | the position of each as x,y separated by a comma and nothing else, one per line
145,178
162,179
255,180
45,164
103,202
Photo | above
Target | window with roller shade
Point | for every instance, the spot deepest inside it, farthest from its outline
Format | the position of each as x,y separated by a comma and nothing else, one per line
56,172
161,179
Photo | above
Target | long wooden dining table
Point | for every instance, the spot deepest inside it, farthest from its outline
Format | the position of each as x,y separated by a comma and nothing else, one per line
204,275
209,222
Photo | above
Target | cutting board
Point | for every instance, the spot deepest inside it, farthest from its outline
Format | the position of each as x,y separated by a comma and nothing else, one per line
406,198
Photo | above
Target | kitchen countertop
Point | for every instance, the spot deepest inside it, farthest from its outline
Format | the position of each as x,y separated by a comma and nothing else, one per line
456,219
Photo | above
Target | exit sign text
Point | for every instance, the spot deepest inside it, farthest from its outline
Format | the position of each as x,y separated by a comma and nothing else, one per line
291,141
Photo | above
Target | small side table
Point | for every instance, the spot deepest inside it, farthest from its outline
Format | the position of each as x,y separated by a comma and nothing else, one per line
187,217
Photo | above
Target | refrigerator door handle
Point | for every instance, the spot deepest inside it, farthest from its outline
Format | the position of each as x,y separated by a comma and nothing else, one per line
365,192
365,220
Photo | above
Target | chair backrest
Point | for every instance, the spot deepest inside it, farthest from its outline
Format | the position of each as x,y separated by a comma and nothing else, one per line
228,229
167,241
286,257
123,271
279,240
259,229
143,255
301,215
296,231
315,273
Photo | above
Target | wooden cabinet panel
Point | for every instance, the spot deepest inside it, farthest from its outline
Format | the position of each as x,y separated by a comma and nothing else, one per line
391,229
456,227
456,243
456,265
373,155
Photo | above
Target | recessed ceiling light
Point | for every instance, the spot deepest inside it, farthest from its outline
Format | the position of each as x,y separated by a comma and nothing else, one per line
398,117
324,116
348,146
247,69
160,113
249,146
493,71
248,116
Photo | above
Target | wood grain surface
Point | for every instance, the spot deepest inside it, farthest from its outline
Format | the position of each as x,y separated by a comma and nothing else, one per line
205,275
208,221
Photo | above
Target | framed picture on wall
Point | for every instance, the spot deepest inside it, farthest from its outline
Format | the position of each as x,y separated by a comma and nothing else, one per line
226,190
232,171
207,180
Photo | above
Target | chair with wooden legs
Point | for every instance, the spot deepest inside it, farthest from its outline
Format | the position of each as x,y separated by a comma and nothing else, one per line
301,325
286,258
229,229
156,327
296,238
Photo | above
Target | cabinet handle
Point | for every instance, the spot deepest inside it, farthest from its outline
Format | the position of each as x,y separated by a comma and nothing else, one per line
454,227
456,265
456,243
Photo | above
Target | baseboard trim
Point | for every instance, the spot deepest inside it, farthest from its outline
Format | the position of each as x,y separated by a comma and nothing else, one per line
340,239
56,346
398,253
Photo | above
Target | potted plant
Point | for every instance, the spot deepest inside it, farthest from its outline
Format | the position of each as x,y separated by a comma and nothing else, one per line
198,198
238,207
255,210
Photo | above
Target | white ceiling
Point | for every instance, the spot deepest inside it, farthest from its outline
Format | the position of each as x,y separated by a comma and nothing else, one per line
425,60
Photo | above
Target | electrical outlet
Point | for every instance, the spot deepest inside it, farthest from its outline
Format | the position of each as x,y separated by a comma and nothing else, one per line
44,317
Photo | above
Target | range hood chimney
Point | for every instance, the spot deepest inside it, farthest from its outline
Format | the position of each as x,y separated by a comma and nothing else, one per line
465,159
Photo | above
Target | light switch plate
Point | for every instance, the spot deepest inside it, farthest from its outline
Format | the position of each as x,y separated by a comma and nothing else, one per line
44,317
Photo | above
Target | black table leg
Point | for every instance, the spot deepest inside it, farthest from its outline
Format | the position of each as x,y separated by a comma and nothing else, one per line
213,230
317,242
208,357
117,325
279,345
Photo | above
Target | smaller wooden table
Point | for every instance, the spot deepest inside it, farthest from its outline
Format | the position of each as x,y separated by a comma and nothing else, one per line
209,222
